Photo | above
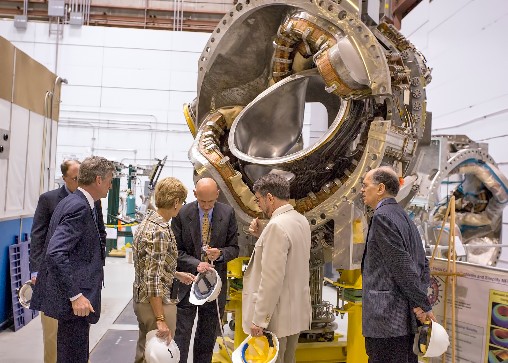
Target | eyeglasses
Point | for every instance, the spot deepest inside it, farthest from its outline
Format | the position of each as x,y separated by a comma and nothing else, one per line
257,199
365,186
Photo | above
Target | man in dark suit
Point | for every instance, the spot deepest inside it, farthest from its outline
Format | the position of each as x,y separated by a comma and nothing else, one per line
208,223
395,274
45,207
70,276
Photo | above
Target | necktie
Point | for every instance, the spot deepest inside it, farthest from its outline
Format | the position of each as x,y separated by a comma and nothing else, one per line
205,233
94,215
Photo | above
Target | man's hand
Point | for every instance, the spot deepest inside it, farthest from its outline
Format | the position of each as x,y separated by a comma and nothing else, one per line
212,253
423,316
163,331
185,277
256,331
82,307
204,266
255,228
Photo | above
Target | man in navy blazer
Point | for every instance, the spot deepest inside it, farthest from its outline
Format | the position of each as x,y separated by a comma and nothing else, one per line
45,207
223,247
395,274
70,276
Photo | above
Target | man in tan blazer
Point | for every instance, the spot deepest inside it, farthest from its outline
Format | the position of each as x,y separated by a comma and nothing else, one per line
276,293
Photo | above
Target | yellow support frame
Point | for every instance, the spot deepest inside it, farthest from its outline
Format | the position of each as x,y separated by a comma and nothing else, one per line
352,279
350,351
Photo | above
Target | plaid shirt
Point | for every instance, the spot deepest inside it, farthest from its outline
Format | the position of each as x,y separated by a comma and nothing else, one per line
155,253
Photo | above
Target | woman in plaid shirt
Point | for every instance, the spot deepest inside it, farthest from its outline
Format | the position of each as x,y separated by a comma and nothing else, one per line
155,254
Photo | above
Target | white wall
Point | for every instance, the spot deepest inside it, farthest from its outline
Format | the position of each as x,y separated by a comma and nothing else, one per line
465,44
127,86
125,93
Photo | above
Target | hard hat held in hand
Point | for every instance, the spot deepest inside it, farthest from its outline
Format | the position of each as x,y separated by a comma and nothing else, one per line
25,294
206,287
157,351
431,340
263,349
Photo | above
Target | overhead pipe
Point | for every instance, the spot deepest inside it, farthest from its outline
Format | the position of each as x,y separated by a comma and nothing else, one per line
43,151
52,94
174,15
146,11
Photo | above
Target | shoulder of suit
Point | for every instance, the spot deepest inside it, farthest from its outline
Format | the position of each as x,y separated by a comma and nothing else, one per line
51,193
75,201
223,207
187,208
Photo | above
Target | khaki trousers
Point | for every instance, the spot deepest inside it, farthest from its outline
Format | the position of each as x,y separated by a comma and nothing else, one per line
49,333
287,349
147,322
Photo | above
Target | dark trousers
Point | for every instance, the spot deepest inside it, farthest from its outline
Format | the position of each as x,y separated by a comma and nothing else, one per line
72,341
206,329
391,350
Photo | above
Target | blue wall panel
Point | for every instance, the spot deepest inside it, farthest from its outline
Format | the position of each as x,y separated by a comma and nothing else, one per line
8,232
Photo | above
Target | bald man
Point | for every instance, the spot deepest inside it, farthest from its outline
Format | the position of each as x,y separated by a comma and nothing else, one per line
395,274
204,222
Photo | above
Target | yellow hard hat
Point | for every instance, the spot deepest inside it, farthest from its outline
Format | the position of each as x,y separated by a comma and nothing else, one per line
263,349
431,340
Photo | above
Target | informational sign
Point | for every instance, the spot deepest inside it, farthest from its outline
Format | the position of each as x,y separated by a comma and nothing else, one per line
481,312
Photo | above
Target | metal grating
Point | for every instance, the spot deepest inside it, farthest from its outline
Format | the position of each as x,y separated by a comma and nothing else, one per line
20,273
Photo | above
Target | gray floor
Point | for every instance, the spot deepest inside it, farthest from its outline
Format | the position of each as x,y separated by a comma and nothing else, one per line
113,338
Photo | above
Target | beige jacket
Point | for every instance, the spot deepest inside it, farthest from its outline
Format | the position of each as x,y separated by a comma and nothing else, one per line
276,293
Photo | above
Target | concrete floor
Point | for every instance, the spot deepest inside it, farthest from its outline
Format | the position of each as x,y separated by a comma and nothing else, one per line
25,345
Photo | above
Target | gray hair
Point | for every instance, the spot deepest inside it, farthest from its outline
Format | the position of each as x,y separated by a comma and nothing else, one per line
274,184
388,177
92,167
66,164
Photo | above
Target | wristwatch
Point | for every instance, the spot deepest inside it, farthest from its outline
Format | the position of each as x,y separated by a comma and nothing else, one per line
160,318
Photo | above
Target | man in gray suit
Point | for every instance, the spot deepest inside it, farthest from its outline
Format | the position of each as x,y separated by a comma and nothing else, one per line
212,225
71,274
395,274
45,208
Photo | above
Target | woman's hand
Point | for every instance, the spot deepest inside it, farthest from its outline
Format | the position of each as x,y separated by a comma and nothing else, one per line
163,331
185,277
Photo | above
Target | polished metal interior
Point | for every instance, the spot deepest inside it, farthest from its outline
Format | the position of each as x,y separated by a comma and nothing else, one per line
262,64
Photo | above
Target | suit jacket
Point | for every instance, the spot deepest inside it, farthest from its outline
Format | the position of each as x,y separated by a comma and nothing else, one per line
224,236
45,208
276,293
73,262
395,273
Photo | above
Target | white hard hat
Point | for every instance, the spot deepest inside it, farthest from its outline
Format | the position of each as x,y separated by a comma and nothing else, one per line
25,294
432,340
263,349
157,351
206,287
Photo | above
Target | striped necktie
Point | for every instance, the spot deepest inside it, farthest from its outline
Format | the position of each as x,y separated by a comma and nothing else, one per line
94,215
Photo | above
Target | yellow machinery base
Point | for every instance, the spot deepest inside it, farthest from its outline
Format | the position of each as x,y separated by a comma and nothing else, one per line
319,352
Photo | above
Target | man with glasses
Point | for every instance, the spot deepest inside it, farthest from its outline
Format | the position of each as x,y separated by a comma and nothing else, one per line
205,231
71,273
276,292
395,274
45,207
